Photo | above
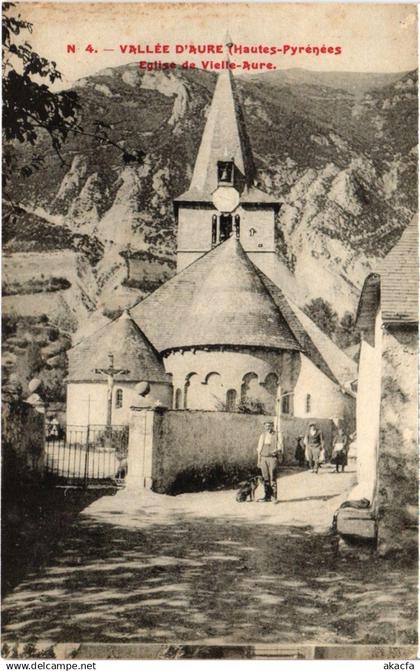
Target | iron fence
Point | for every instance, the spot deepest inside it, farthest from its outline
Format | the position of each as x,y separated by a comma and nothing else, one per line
87,453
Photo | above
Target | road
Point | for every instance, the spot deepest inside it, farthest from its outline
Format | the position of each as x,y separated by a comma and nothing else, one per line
143,567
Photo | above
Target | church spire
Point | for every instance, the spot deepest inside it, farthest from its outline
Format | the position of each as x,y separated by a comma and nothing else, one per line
224,137
228,42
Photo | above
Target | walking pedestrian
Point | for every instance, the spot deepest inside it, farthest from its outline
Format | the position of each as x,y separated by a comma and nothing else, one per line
300,451
268,460
314,443
340,450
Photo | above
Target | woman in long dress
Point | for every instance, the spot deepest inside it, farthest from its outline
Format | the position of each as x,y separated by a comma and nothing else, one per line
340,450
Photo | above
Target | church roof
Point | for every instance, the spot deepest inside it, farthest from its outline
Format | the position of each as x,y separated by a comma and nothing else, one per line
399,273
217,300
130,348
224,137
313,342
224,299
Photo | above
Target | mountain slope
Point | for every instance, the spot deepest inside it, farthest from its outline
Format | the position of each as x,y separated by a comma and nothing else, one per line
339,151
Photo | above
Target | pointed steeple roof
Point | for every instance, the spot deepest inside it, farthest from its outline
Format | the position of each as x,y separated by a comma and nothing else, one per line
224,138
131,350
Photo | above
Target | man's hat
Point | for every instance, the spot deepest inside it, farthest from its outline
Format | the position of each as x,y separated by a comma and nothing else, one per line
269,421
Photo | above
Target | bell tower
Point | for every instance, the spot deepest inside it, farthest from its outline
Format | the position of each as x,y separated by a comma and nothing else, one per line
222,199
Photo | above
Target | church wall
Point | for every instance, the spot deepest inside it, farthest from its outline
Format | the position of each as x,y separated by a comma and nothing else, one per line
256,229
194,229
325,398
79,392
196,450
209,376
79,411
397,476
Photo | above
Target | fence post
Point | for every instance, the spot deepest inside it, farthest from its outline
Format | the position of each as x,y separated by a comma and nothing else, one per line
87,455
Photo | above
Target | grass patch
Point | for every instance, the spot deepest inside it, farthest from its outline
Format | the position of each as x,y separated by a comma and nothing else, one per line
36,286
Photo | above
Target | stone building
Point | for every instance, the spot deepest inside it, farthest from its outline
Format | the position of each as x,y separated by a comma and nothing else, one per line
387,402
110,371
226,325
228,335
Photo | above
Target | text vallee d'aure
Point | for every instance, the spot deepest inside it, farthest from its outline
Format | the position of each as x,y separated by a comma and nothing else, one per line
182,50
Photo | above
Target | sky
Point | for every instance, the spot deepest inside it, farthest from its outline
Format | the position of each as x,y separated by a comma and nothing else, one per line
372,37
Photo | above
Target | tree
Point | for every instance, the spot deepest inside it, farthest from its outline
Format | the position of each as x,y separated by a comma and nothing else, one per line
342,331
347,333
30,108
323,314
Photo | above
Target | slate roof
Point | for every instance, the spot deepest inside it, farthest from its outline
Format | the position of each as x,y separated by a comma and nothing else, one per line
217,300
224,299
131,350
399,273
313,342
224,138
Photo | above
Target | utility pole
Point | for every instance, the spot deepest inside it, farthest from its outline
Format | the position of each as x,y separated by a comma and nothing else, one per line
110,374
279,438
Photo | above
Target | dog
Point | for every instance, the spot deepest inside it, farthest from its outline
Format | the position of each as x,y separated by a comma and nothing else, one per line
247,489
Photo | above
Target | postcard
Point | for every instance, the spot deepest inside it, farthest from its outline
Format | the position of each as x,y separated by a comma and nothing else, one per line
210,331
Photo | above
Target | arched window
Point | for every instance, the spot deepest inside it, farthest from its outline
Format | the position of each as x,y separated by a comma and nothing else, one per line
247,381
308,403
119,398
187,385
231,400
178,399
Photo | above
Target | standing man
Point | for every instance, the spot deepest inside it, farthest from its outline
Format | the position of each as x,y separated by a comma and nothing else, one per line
314,443
267,460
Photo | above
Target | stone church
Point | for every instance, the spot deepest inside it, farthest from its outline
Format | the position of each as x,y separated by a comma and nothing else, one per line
224,333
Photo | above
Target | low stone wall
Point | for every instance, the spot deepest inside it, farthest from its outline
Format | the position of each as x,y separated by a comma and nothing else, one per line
193,449
23,441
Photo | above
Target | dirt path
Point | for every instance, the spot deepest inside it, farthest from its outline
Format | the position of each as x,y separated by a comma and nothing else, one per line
142,567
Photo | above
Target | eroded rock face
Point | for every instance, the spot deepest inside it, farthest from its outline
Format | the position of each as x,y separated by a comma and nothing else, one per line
84,211
167,84
71,183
